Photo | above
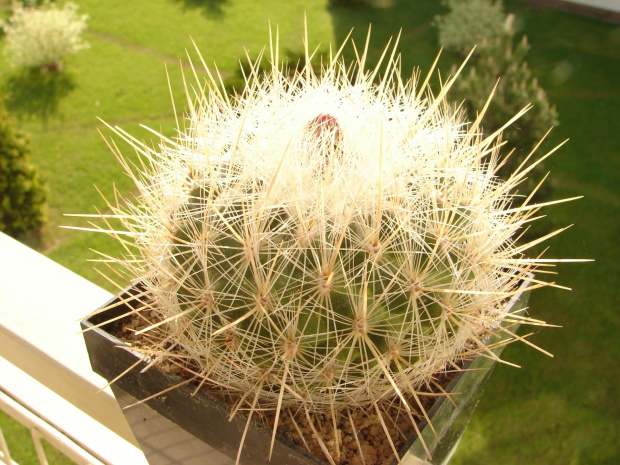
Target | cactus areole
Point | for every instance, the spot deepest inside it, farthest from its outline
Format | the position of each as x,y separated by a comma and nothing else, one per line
323,243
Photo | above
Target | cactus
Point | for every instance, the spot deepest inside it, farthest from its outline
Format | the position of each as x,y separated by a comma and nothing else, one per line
324,242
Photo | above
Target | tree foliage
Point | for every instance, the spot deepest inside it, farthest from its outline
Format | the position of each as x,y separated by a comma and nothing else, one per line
23,194
500,61
469,23
41,36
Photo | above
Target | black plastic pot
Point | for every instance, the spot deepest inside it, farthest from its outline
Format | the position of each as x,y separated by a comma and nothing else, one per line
184,429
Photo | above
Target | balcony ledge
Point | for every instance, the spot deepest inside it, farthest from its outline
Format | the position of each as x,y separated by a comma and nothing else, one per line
43,359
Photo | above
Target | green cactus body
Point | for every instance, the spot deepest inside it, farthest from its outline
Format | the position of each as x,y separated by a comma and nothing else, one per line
291,271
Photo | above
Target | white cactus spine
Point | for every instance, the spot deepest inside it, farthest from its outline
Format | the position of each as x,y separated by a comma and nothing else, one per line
324,242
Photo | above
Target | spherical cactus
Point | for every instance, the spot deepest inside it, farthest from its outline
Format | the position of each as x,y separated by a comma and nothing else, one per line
324,241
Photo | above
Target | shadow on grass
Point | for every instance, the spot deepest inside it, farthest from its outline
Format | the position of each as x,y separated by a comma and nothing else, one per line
413,20
293,61
210,8
37,93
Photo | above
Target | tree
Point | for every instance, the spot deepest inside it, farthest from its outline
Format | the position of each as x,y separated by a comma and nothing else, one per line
23,194
500,62
469,23
41,36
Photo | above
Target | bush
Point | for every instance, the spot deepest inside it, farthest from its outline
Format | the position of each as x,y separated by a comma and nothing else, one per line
40,37
469,23
517,87
22,192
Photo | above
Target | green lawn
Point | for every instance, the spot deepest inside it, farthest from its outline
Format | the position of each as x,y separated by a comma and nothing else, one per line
563,410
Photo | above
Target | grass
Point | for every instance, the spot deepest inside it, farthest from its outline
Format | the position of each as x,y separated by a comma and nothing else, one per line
563,410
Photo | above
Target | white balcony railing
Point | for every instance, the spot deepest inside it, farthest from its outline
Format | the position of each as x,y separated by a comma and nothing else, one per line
46,382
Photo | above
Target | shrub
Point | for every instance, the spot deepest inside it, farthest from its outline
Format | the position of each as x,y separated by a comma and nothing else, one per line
22,193
517,88
40,37
469,23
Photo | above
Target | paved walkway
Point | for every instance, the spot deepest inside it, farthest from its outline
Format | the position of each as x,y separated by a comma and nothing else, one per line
609,5
605,10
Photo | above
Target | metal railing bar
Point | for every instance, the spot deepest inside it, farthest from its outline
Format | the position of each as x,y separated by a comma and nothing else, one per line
4,461
66,383
38,447
5,457
57,439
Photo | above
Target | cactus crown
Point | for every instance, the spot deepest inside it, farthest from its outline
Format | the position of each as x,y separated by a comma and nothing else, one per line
324,241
